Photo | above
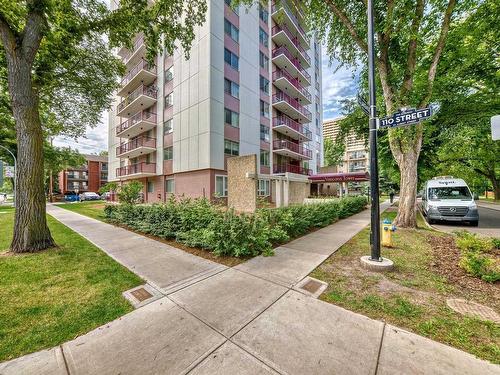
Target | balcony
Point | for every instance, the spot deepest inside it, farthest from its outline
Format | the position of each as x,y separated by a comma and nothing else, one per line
291,107
136,170
293,150
281,12
282,36
141,98
287,83
283,59
132,56
289,168
139,123
143,73
136,147
291,128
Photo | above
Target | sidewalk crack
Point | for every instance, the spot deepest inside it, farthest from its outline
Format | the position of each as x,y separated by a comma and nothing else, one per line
380,347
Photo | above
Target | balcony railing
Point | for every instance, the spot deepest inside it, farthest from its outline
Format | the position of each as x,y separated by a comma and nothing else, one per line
282,4
136,143
136,169
279,144
287,121
276,29
150,91
296,62
280,73
284,168
143,65
137,44
281,96
138,117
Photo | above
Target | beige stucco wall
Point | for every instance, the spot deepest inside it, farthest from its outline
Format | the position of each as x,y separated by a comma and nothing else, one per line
298,191
241,190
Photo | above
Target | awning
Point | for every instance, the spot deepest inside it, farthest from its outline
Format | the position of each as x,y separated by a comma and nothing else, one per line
340,177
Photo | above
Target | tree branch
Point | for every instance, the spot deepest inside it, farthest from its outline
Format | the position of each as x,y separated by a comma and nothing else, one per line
33,30
412,50
437,53
7,34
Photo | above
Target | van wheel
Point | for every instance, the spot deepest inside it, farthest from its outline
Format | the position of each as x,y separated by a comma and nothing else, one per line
474,223
431,221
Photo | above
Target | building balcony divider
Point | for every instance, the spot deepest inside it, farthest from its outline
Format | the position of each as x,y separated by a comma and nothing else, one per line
278,28
142,65
279,144
136,143
136,169
281,4
150,91
296,62
281,120
138,117
281,96
290,168
281,73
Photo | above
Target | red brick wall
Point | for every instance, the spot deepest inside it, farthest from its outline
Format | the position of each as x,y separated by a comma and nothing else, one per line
94,176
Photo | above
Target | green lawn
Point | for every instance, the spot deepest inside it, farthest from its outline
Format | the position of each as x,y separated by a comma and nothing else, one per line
53,296
413,296
93,209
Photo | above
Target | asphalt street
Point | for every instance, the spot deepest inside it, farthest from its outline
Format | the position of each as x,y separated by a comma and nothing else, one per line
489,224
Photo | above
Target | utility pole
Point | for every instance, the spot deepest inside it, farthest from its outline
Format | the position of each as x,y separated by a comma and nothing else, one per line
15,171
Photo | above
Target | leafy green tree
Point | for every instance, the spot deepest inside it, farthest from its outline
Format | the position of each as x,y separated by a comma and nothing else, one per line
333,151
410,38
130,193
109,187
57,159
60,73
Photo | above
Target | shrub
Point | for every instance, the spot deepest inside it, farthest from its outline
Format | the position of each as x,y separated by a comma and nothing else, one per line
496,243
199,223
130,193
471,242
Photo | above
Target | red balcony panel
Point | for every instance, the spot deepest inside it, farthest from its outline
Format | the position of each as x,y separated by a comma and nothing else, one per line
138,117
279,144
281,96
281,73
284,168
282,119
296,62
283,28
143,65
291,15
149,91
138,168
136,143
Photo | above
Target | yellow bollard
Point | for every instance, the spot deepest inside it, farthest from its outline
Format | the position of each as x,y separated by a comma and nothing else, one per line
387,229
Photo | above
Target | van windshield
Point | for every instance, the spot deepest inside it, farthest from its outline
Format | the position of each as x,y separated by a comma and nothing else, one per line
451,192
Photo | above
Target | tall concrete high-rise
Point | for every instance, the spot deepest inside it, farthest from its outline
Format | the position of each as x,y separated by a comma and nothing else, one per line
252,85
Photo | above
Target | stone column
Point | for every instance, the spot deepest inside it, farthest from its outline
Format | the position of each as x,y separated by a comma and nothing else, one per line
242,190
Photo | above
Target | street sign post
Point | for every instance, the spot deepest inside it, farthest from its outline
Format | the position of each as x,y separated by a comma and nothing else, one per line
405,117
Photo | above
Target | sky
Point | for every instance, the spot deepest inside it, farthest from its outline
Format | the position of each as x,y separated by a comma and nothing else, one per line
338,83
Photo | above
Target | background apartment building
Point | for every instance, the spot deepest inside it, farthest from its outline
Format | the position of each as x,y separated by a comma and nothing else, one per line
252,85
356,157
89,177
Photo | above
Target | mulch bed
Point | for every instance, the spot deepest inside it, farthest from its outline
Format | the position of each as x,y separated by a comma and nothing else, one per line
446,258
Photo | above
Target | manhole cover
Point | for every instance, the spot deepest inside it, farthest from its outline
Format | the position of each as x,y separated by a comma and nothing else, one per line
311,286
141,294
473,309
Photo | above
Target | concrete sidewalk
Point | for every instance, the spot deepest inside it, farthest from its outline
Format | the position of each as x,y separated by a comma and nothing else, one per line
491,206
241,320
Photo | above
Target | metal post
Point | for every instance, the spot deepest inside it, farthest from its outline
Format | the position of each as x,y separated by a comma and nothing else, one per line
15,171
375,208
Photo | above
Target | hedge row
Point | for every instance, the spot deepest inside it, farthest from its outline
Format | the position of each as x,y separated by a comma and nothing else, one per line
199,223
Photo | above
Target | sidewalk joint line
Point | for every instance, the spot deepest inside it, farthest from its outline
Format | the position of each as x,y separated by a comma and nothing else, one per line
380,347
64,359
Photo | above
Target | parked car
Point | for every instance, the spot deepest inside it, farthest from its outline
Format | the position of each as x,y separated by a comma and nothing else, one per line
71,196
449,199
89,196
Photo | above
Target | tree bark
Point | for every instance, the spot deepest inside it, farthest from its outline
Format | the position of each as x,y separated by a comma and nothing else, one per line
31,232
407,209
496,188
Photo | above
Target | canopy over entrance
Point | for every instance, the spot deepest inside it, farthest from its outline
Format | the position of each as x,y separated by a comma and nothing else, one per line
340,177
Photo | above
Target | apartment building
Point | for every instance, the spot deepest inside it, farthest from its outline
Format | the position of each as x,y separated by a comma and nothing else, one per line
89,177
252,85
356,157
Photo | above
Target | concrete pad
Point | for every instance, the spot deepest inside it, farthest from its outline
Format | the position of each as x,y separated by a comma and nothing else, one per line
159,338
311,287
302,335
142,295
45,362
228,300
229,359
286,267
404,352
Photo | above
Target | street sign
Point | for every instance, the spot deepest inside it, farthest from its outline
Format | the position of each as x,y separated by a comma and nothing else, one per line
363,104
9,172
406,117
495,128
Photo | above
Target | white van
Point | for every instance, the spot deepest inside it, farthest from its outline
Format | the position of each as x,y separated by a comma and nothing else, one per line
450,199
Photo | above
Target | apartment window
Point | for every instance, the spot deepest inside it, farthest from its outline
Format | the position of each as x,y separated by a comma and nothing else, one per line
231,147
231,59
264,109
264,158
168,153
168,126
263,13
169,100
151,186
231,88
264,84
231,30
221,186
264,133
263,61
263,37
264,189
170,186
231,118
169,74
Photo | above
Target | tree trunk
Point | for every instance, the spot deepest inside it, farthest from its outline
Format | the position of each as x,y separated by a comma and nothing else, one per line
31,232
407,209
496,188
